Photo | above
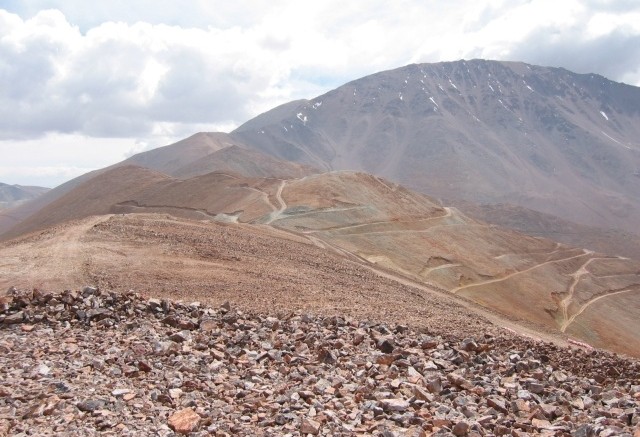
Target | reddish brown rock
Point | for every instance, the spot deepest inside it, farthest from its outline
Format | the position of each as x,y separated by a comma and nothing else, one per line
385,360
184,421
14,318
309,426
386,344
460,429
498,404
5,427
208,325
459,381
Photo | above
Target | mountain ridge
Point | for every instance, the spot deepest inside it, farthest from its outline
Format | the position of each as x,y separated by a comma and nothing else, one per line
480,131
196,155
378,225
11,194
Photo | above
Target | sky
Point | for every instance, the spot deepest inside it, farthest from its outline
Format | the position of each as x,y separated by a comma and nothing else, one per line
86,84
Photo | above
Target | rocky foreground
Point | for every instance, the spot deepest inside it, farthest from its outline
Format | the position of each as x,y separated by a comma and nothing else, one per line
90,362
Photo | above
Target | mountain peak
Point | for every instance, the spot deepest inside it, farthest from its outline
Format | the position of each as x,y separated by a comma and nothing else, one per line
478,130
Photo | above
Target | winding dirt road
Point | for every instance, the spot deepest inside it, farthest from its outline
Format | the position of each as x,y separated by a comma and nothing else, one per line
511,275
275,215
518,327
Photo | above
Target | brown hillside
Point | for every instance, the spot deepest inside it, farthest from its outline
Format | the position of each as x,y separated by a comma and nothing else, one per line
13,216
215,196
528,278
170,158
257,267
95,196
406,236
245,162
194,156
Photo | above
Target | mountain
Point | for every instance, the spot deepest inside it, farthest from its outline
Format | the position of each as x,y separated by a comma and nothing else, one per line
13,198
483,133
95,196
238,160
163,159
398,233
335,302
199,154
588,295
424,132
538,224
487,132
12,194
170,158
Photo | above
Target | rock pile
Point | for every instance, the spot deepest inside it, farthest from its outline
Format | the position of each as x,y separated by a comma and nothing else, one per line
90,362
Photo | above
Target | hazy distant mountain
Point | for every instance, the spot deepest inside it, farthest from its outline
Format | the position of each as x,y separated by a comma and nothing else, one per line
11,194
538,224
548,139
170,158
15,196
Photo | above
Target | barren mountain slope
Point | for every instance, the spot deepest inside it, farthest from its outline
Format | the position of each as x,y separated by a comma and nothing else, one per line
257,267
244,162
11,197
215,196
197,155
538,224
96,195
164,159
169,158
413,240
14,215
9,194
529,278
483,131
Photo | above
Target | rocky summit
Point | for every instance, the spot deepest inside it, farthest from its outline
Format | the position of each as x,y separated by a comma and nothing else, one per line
90,362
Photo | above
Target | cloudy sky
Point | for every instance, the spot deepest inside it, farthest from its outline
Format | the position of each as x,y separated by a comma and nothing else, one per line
85,84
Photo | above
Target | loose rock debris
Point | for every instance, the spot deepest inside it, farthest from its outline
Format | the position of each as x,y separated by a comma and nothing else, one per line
88,362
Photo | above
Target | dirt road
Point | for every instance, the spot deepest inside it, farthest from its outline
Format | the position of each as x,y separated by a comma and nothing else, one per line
52,259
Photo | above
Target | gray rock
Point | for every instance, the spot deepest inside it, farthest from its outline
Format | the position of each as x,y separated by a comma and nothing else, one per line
394,404
90,405
14,318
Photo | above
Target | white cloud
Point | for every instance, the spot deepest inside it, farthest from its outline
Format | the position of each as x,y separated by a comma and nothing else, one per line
120,80
148,70
55,158
41,176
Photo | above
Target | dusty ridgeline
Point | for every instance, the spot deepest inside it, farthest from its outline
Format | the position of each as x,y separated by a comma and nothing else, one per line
81,363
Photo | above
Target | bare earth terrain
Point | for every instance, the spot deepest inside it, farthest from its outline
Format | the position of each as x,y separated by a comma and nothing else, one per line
370,224
314,333
253,266
487,132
